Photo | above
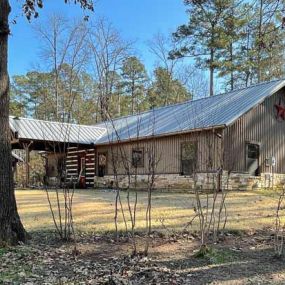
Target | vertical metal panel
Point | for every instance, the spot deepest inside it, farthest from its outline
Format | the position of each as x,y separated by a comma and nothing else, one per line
258,125
168,150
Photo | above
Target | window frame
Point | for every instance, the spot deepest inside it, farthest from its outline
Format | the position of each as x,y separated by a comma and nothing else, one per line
195,159
247,158
138,149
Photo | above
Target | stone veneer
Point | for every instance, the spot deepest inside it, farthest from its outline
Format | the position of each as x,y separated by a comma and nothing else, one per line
205,181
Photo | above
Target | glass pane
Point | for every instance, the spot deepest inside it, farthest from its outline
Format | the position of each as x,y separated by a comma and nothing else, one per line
253,151
188,157
189,150
137,157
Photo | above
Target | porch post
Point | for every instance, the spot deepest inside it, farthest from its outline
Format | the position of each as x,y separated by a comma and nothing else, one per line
27,162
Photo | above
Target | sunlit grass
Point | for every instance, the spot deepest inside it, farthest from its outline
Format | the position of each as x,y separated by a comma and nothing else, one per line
93,210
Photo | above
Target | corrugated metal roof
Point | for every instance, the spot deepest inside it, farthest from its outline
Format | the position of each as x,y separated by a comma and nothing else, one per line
55,131
220,110
215,111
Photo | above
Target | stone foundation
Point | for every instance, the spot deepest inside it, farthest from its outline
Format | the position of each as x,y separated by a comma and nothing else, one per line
243,181
205,181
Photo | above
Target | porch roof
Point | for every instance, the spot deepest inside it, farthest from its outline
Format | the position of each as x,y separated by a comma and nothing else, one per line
27,129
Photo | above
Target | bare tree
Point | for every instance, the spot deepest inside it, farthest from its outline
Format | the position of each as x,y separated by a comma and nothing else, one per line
120,161
128,167
160,46
279,235
211,209
64,50
11,228
153,159
108,51
194,80
61,193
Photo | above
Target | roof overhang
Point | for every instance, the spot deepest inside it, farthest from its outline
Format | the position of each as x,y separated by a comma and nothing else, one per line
141,138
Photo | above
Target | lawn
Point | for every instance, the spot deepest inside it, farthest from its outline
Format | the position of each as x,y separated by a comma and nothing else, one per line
94,210
243,256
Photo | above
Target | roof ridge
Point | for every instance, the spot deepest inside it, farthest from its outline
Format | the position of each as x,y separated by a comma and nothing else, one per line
251,86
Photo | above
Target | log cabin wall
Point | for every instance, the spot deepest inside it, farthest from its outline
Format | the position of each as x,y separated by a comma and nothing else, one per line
261,126
167,151
74,164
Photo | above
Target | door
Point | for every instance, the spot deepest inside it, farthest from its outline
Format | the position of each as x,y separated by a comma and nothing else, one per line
102,164
252,159
82,173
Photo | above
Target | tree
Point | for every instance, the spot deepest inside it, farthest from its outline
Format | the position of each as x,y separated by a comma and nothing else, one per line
195,81
108,52
64,48
160,46
267,39
134,79
234,26
35,90
11,228
204,35
34,93
255,43
166,90
17,106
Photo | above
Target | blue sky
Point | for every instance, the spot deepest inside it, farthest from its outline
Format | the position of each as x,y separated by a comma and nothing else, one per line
136,20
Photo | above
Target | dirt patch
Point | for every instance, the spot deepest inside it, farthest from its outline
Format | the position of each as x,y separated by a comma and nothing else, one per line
238,259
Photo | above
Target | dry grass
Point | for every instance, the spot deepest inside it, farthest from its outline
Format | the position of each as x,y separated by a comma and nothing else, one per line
94,210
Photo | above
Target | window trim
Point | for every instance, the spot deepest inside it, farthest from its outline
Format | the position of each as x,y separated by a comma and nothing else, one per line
105,153
139,165
195,143
247,143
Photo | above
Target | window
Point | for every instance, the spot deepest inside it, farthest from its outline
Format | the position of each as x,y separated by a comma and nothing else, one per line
252,151
188,157
138,157
252,158
102,164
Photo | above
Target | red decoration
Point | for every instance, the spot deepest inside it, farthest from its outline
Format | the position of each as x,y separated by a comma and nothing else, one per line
280,111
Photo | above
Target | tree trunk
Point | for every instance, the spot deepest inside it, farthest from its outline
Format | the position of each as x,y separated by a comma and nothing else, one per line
212,73
232,64
259,42
11,228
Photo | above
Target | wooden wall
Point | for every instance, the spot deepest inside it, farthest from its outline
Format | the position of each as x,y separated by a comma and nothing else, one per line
52,163
261,126
168,152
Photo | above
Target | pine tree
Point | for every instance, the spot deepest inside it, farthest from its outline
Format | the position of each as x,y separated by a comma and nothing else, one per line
204,35
260,54
134,78
166,90
234,26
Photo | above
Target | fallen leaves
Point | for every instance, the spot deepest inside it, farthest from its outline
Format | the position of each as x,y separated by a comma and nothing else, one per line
98,260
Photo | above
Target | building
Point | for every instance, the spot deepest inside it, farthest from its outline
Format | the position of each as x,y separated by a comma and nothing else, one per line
56,142
197,142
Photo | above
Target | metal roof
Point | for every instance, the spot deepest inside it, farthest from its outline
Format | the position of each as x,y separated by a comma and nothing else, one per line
32,129
215,111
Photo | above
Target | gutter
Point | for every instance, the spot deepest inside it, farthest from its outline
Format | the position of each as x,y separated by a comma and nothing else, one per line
161,135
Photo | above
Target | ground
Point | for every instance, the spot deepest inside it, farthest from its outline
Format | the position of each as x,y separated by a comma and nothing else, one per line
244,254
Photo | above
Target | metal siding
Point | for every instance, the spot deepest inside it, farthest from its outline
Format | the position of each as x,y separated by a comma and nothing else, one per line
258,125
169,150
